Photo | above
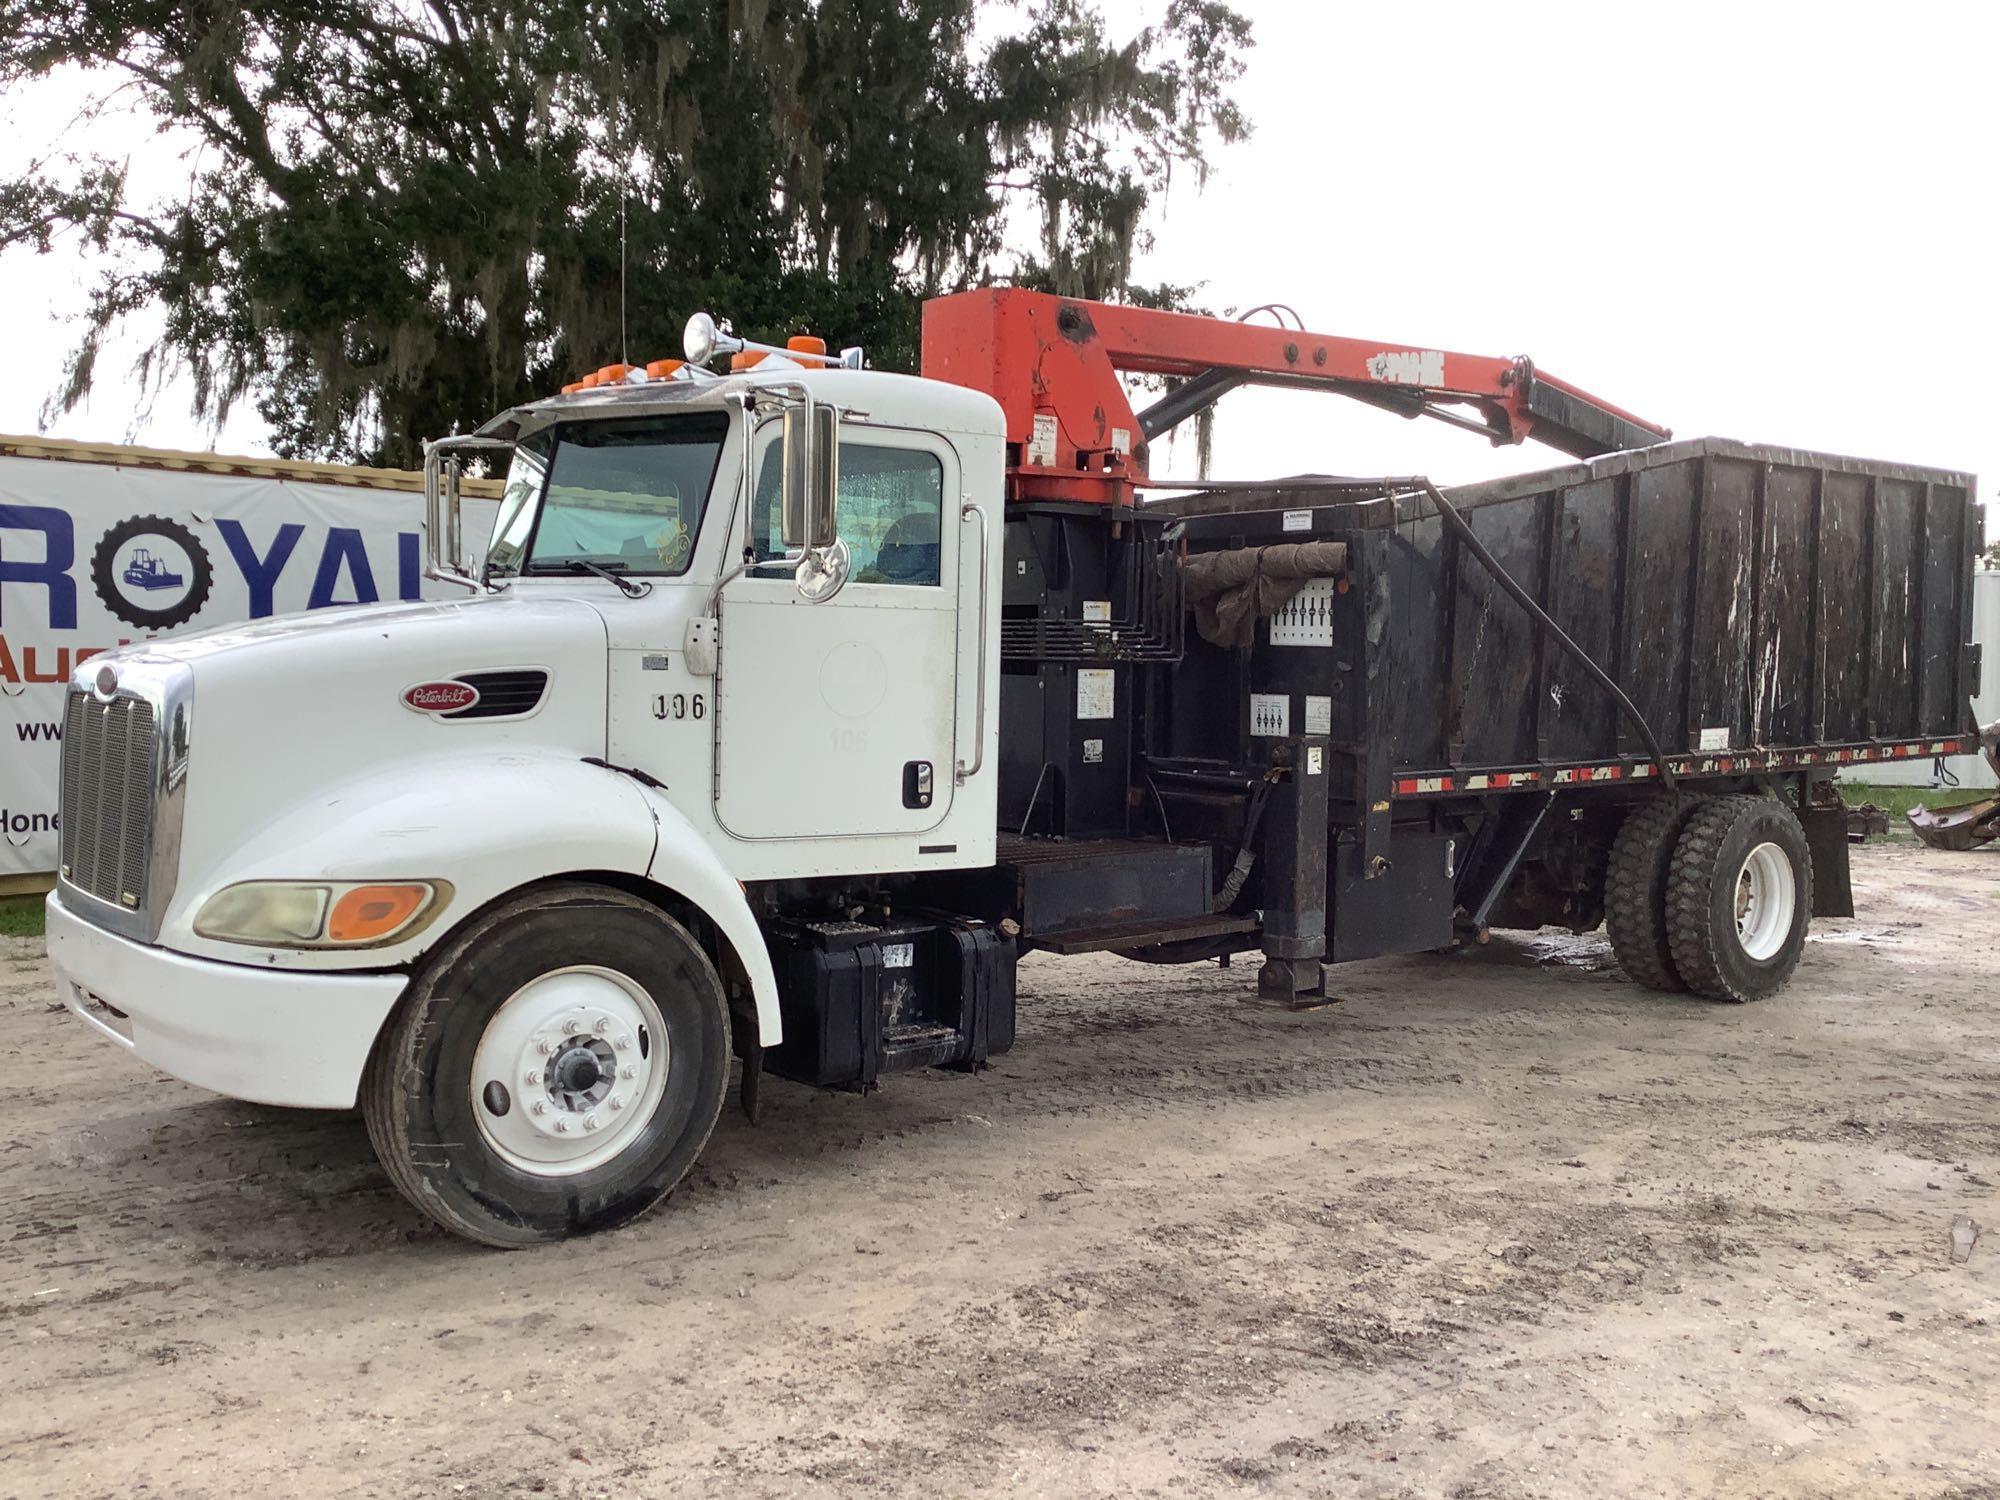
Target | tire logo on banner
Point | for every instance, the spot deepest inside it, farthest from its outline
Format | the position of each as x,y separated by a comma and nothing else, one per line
151,572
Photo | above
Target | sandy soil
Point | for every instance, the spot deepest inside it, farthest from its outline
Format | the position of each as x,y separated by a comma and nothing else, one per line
1497,1225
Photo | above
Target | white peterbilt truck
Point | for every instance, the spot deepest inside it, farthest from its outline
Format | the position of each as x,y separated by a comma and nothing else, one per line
716,754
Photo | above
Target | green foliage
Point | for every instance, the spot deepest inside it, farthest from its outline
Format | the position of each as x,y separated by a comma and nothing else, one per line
406,216
22,916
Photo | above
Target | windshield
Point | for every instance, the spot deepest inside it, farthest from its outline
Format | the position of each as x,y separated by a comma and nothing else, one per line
624,493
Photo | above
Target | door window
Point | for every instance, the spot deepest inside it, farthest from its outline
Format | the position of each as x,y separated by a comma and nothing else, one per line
891,513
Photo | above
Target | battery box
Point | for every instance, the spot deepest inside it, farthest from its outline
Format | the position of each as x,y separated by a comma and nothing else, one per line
860,999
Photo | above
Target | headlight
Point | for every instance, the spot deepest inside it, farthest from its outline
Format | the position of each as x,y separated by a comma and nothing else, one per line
312,914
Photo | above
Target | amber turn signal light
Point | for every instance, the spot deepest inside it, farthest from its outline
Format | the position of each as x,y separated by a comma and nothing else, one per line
367,912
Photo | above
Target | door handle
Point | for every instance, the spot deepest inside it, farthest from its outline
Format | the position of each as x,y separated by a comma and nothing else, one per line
964,772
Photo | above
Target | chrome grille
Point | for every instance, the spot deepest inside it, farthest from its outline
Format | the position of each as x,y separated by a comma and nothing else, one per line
107,797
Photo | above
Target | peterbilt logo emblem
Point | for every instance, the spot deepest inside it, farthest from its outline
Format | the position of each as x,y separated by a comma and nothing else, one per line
440,697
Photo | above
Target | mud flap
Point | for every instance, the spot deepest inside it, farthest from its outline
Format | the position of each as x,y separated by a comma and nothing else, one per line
1826,838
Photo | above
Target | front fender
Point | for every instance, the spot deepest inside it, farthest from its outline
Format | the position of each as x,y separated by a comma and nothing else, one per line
489,825
685,862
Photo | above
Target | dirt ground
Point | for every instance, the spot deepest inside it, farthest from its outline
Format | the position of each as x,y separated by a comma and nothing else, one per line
1496,1225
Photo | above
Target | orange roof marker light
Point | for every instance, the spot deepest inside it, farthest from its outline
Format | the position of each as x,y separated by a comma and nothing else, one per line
621,374
805,343
624,374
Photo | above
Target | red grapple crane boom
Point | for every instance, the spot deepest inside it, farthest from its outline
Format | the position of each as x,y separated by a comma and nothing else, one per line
1053,364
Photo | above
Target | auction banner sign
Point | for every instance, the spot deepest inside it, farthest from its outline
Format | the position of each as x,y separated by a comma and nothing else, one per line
102,546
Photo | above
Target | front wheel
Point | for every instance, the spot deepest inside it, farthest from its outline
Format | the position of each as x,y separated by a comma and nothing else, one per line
554,1069
1739,895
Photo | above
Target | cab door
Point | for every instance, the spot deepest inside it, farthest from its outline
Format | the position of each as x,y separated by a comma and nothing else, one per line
840,718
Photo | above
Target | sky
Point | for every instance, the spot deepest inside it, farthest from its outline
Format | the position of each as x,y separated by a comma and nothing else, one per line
1767,221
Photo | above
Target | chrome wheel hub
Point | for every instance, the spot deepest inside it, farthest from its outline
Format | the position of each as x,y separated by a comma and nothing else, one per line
569,1069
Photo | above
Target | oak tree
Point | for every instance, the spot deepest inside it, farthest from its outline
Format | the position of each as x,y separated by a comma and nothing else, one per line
404,215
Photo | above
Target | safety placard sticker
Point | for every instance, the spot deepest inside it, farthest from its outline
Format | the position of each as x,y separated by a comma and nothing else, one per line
1298,520
1042,442
1097,611
1306,619
1271,714
1319,714
1714,739
1096,693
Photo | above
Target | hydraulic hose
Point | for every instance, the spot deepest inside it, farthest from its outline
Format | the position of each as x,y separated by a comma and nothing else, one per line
1246,854
1522,597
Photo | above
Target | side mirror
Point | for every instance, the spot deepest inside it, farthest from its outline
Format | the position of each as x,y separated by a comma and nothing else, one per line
444,539
811,468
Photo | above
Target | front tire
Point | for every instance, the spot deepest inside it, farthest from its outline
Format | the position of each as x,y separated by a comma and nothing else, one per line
1739,897
555,1068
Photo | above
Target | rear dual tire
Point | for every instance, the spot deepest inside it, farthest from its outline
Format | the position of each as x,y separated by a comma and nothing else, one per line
1739,898
1710,894
1635,891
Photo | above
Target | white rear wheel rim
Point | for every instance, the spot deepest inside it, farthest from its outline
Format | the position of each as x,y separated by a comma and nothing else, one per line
569,1069
1767,898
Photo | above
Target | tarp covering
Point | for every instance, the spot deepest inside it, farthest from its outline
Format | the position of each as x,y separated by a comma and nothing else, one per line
1231,591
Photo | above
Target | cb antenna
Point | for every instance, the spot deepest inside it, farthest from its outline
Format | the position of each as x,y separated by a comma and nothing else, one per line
624,341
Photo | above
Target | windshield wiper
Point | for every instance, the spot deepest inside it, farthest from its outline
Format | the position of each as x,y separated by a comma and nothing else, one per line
607,571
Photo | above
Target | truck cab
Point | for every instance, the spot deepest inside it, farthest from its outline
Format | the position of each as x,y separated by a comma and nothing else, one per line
730,637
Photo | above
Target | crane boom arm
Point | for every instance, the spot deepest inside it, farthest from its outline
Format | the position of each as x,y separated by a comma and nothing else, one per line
1054,363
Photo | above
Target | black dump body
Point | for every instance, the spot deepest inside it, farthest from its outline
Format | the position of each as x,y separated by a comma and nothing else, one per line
1752,602
1771,615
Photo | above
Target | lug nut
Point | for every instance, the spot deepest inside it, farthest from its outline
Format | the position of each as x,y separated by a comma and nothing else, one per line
622,1043
604,1023
545,1047
628,1071
540,1107
590,1122
562,1127
617,1103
